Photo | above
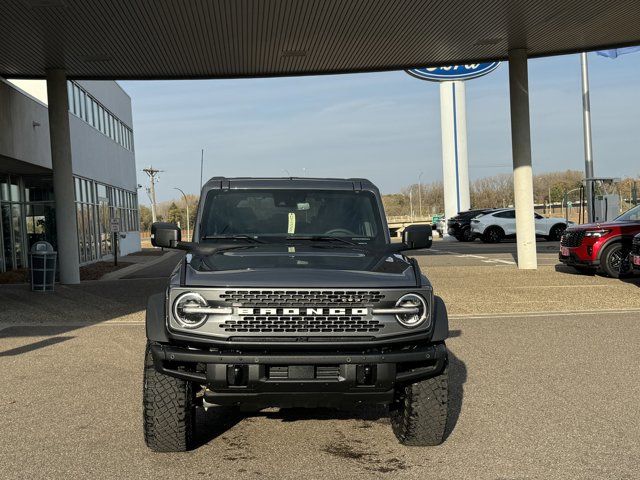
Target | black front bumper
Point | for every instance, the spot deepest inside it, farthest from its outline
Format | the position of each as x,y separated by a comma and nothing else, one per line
300,379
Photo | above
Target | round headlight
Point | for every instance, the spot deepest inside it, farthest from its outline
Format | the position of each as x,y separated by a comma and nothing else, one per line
411,320
189,320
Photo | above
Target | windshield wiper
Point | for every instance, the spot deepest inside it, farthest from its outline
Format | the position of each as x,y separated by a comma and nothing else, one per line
248,238
322,238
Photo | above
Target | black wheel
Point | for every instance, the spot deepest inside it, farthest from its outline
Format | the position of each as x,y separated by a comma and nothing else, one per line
493,235
419,415
556,232
467,236
615,260
168,410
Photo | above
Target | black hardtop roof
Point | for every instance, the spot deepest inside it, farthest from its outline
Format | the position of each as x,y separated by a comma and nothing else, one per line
290,182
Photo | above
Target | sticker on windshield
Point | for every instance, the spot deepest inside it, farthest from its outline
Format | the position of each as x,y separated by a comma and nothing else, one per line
291,228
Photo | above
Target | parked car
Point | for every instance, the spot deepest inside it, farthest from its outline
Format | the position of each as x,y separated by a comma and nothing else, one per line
634,257
603,246
494,226
459,226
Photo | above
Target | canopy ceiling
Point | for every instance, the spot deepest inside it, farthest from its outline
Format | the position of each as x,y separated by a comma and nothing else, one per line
138,39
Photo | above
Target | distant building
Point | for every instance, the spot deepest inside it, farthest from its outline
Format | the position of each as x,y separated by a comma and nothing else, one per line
103,165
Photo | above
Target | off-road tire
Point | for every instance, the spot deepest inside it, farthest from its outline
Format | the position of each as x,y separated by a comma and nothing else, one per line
611,256
169,410
556,232
493,235
419,414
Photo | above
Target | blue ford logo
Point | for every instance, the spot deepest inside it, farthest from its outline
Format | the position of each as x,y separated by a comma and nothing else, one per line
453,72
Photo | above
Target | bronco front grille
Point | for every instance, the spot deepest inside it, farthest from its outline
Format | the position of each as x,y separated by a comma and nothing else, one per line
572,238
302,297
635,248
301,324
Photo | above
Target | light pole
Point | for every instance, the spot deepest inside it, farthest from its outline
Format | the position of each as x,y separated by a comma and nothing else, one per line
420,193
187,205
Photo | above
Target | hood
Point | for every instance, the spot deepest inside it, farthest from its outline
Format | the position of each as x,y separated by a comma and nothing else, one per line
311,266
596,226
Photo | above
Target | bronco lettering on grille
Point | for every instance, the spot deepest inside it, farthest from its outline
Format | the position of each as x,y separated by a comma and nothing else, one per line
302,311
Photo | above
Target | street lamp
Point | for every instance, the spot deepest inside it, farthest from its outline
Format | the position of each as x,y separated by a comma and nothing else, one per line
187,205
420,192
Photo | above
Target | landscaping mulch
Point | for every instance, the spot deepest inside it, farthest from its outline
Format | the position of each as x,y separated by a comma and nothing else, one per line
148,252
15,276
96,271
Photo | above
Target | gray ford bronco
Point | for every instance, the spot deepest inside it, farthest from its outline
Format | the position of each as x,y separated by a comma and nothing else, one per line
291,294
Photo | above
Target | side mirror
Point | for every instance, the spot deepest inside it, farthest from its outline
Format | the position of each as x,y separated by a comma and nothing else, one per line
417,236
165,235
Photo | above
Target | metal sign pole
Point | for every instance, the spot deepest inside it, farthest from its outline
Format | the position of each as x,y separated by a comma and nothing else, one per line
455,167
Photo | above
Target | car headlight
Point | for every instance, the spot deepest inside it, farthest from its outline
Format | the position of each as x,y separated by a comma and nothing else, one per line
189,319
417,307
596,233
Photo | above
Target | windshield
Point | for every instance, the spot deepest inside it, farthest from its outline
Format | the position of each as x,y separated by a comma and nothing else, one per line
632,215
272,214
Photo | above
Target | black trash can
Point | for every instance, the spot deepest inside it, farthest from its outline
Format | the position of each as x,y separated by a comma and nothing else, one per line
43,267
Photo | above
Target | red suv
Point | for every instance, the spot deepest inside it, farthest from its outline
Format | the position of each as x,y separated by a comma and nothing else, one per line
601,245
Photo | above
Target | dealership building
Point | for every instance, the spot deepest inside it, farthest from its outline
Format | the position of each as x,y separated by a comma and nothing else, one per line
102,167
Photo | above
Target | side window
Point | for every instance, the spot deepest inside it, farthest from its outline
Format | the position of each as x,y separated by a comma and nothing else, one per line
538,216
506,214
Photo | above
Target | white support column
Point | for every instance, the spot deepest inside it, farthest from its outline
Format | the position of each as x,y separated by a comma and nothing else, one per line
455,166
66,227
521,148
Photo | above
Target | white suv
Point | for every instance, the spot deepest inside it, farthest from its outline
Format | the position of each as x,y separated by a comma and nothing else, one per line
494,226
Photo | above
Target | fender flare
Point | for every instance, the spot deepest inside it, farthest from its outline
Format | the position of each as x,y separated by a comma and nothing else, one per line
441,320
155,320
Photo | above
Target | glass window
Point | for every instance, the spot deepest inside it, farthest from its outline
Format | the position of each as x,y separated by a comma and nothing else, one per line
18,245
100,119
94,107
76,100
70,96
89,110
81,96
38,189
287,212
14,189
76,185
4,187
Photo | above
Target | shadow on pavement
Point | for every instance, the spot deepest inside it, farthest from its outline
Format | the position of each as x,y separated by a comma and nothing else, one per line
561,268
214,422
34,314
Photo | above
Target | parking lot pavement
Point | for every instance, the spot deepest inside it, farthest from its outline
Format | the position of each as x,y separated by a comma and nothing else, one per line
504,254
533,397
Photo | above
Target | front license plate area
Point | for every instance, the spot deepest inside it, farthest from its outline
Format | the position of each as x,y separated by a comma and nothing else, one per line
564,251
636,259
301,372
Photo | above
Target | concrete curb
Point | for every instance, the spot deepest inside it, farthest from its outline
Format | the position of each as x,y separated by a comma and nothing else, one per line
123,272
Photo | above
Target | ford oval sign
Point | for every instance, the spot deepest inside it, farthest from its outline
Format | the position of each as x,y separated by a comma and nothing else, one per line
453,72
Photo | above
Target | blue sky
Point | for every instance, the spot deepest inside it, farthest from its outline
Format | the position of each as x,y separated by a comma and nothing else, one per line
382,126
